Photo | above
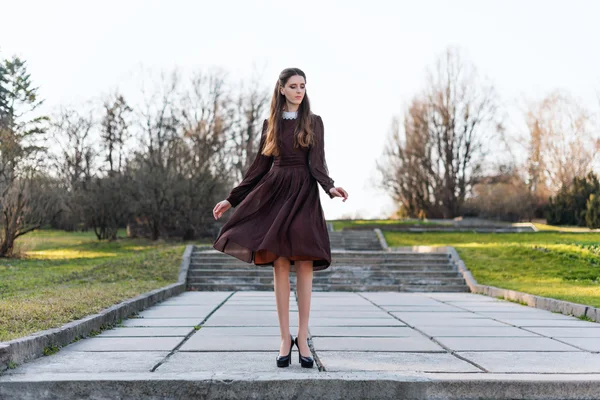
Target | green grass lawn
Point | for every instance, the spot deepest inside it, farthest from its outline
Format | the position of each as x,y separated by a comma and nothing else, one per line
62,277
563,266
567,228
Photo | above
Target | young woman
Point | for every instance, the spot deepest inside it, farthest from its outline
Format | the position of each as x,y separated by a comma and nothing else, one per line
278,220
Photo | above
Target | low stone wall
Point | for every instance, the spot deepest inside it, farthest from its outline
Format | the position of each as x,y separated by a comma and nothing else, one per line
544,303
27,348
523,227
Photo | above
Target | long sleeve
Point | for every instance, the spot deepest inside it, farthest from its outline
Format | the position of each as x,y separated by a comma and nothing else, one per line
260,166
316,158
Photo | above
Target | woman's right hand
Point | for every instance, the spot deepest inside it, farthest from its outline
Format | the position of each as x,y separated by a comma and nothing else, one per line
220,208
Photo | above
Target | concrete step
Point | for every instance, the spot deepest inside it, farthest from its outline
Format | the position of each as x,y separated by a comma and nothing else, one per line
336,267
354,270
332,281
356,274
334,258
335,288
222,264
347,253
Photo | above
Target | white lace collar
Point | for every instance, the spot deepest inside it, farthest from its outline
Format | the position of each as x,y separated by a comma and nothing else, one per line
290,114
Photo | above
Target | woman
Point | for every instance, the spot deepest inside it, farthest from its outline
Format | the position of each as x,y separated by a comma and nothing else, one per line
278,219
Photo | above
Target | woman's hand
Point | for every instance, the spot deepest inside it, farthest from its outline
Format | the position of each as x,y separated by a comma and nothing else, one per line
339,192
220,208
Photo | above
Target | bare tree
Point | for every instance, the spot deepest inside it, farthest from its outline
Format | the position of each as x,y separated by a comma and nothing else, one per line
502,195
208,116
76,161
115,131
150,165
407,169
431,167
29,203
563,142
250,106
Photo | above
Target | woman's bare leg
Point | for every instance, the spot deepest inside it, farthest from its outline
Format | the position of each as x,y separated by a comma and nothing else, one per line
281,283
304,278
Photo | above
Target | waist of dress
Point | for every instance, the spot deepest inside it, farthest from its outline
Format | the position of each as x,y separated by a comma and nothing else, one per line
290,164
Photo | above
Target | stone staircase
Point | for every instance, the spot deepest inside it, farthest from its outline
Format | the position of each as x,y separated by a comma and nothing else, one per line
358,264
354,240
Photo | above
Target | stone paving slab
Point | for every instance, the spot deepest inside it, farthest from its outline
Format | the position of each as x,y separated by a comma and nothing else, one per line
503,343
199,312
140,331
520,315
448,296
549,323
293,308
233,343
540,362
472,300
260,314
197,298
387,344
377,313
355,322
232,362
400,299
158,322
563,332
363,331
421,309
475,331
342,307
335,361
256,293
466,322
438,315
239,331
531,314
589,344
495,307
125,344
100,362
247,320
256,301
342,303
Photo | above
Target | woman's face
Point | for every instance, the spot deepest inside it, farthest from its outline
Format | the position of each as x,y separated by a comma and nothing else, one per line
294,89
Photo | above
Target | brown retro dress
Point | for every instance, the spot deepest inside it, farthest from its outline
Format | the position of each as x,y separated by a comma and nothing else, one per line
277,206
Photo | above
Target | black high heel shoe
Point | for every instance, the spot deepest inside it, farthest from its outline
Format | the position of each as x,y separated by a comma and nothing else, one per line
285,361
306,362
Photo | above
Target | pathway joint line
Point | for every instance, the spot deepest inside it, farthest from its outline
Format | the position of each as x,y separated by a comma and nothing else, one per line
516,326
450,351
311,346
189,335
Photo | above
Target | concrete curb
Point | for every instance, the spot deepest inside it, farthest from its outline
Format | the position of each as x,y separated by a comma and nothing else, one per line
544,303
381,238
529,224
27,348
347,386
330,227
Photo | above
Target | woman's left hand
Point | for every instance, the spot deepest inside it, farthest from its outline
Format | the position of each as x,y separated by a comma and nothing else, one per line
339,192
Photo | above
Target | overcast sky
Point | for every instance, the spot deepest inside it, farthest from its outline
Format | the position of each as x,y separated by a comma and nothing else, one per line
364,60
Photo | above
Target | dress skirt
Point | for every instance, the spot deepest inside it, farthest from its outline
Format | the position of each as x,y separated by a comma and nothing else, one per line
277,206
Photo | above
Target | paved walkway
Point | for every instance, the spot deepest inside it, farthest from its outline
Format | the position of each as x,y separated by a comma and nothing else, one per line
448,336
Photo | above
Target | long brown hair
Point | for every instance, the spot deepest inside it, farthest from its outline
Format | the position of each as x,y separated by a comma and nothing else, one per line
303,133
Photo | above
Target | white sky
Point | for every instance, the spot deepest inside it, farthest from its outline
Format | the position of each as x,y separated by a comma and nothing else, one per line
364,60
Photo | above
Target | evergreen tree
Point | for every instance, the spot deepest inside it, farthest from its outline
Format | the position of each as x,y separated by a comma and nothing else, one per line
592,215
